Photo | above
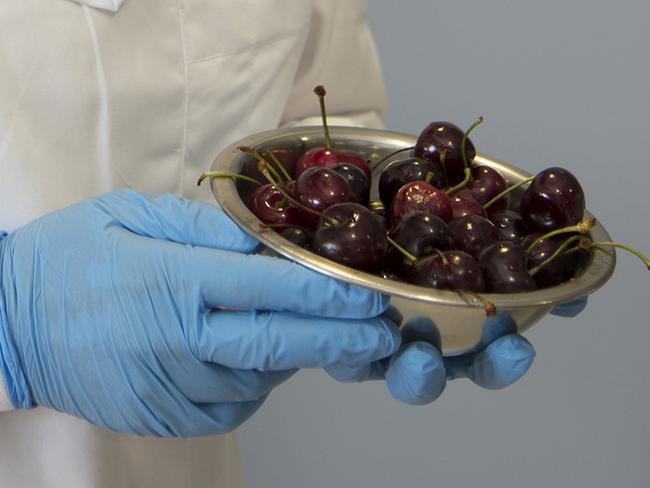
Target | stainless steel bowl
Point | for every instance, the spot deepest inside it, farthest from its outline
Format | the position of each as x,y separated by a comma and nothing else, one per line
458,321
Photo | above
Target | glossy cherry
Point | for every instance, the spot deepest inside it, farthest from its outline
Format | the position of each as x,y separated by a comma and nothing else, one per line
463,203
449,270
554,199
419,196
320,188
420,234
300,236
350,234
403,171
505,268
357,179
440,142
486,184
271,207
473,233
510,225
551,273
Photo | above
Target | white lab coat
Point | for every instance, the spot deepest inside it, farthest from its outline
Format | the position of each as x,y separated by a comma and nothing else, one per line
102,94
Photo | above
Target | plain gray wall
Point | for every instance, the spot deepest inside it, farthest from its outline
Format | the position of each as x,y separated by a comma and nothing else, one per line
559,82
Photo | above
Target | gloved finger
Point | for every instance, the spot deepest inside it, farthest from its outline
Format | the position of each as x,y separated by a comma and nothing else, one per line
204,382
221,418
241,281
570,309
416,374
169,419
272,341
500,364
358,373
175,219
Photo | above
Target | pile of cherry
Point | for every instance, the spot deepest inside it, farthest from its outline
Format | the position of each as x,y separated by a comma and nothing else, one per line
442,220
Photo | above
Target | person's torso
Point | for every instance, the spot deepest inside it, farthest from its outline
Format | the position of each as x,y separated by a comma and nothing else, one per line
144,98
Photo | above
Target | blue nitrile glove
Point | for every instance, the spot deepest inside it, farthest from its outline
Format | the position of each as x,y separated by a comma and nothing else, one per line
132,312
417,373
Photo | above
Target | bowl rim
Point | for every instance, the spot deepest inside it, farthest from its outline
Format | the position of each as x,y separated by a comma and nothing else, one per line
594,276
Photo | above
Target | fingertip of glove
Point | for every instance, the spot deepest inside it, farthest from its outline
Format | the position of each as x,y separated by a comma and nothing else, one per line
502,363
416,374
570,309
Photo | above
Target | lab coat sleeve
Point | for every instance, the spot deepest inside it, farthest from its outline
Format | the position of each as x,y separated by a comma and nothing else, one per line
341,55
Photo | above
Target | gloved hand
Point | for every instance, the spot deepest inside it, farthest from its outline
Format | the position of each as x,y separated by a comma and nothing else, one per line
134,312
418,373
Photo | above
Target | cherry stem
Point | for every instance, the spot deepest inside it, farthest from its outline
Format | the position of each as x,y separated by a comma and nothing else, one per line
444,259
637,253
279,165
225,174
443,164
265,168
404,252
428,177
583,227
507,190
376,164
320,92
463,155
276,180
490,308
557,252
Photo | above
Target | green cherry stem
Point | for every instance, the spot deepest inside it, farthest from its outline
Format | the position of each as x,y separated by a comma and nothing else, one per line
225,174
602,244
277,162
276,179
463,155
557,252
320,92
404,252
507,190
583,227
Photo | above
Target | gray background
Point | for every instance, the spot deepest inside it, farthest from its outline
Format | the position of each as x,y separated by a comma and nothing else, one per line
559,82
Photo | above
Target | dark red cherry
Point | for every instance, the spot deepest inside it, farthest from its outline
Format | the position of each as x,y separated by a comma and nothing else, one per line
323,157
419,233
463,203
271,207
404,171
505,268
551,273
350,234
457,271
357,179
510,225
486,184
319,188
300,236
444,138
554,199
419,196
473,233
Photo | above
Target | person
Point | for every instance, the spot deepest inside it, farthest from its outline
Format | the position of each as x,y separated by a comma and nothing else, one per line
138,327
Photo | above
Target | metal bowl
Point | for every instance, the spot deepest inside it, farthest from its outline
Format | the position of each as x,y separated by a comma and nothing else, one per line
456,321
